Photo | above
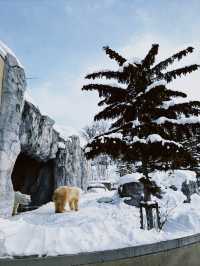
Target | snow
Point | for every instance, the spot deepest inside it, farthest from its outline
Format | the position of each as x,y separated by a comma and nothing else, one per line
176,178
61,145
4,50
154,138
111,135
180,121
135,123
130,61
66,132
129,178
172,102
98,225
155,84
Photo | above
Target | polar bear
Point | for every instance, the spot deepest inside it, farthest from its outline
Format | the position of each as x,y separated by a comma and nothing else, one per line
65,194
20,198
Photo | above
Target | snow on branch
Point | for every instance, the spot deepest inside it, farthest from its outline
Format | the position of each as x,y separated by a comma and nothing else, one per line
156,84
152,138
180,121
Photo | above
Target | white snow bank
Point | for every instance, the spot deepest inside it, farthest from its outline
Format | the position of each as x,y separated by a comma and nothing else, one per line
4,50
166,179
129,178
96,226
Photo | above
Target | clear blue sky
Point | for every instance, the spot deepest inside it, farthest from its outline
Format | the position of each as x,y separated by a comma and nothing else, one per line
59,41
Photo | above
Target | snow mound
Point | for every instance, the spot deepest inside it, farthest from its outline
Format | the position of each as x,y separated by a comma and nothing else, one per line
4,50
129,178
173,178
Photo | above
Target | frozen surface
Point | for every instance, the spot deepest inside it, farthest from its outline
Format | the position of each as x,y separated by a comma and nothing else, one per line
99,226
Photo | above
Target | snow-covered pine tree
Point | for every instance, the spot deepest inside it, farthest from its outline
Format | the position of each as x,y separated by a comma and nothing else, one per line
147,123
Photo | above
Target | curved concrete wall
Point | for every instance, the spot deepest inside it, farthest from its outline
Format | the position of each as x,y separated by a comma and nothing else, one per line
183,251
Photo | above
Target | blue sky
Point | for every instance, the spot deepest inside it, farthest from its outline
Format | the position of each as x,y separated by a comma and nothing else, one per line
59,41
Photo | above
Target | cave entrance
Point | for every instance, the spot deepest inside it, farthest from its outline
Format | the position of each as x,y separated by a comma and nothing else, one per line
35,178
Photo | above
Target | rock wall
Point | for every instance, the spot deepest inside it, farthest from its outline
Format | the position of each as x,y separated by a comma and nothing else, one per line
13,87
62,161
33,156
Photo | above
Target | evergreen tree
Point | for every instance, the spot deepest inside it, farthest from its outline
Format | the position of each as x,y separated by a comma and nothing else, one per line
147,125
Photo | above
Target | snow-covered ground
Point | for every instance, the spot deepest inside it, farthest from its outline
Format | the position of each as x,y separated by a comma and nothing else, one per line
96,226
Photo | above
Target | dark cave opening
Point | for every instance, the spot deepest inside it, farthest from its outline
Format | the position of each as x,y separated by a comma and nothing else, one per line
33,177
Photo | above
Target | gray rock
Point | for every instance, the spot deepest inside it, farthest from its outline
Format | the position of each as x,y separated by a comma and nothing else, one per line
188,189
31,157
72,168
11,106
134,190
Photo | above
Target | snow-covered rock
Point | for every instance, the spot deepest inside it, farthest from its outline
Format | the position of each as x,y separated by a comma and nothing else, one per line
130,186
130,178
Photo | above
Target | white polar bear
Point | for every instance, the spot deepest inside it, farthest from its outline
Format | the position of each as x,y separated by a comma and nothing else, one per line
20,198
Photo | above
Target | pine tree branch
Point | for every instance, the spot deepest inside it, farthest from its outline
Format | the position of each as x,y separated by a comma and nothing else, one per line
114,55
172,112
169,76
120,76
150,57
105,90
154,152
164,64
110,112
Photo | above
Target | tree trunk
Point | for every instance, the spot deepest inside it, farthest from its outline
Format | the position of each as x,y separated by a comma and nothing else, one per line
147,197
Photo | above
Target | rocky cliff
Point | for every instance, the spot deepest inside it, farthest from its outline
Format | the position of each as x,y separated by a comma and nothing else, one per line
33,157
58,161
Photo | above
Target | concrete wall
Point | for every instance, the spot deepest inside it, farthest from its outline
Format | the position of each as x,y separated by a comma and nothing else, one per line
183,251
